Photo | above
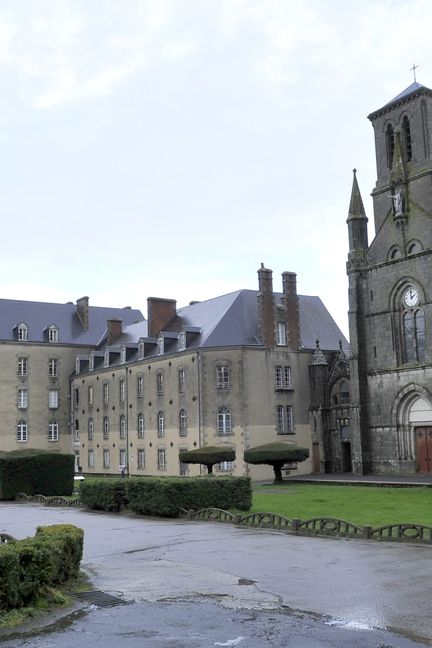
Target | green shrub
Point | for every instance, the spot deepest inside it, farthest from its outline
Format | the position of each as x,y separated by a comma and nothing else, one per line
36,471
208,456
104,494
28,567
165,496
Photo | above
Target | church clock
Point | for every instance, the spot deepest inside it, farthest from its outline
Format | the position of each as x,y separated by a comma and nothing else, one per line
411,297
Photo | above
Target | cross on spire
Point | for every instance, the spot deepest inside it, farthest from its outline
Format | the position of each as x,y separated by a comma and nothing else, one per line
413,69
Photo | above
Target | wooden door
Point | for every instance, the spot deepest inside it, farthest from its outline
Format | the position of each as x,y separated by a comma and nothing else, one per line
423,437
316,464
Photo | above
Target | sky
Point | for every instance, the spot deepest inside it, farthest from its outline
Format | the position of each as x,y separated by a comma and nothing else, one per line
167,148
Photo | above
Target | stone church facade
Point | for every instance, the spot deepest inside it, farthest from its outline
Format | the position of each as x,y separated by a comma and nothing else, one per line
390,295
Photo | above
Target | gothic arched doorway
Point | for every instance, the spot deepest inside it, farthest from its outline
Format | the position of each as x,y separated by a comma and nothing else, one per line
420,419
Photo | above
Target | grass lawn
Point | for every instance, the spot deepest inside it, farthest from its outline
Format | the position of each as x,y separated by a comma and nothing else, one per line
362,505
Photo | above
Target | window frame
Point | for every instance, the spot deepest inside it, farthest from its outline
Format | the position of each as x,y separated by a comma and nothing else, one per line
161,424
53,431
22,400
53,399
224,424
161,465
22,431
222,376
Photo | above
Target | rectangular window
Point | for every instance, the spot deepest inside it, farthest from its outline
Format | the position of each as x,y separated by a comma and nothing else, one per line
140,387
22,398
77,431
53,398
283,377
90,429
106,458
53,431
289,419
222,377
140,426
159,381
183,466
90,458
141,458
226,465
106,393
281,338
22,366
76,398
22,432
53,334
284,422
53,367
90,394
181,380
22,333
122,427
122,457
161,459
122,390
106,427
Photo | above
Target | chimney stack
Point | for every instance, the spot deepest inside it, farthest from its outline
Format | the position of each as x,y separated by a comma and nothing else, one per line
160,312
82,310
266,309
291,306
114,330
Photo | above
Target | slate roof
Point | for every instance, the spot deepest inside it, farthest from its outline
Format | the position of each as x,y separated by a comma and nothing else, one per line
38,315
412,89
232,320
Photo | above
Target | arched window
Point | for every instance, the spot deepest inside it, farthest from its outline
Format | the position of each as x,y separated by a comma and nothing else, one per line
22,332
390,142
406,137
224,421
414,335
140,426
182,423
344,394
161,424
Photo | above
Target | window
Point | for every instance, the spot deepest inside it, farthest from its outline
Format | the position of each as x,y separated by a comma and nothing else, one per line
140,387
140,458
106,393
140,426
182,341
159,383
53,398
90,429
390,143
181,380
122,457
53,431
222,377
224,421
344,394
161,459
161,424
406,138
22,433
281,338
106,427
22,366
283,377
77,431
183,466
90,396
76,397
122,387
226,465
22,398
183,423
53,367
53,334
414,335
284,423
22,332
106,458
90,458
122,427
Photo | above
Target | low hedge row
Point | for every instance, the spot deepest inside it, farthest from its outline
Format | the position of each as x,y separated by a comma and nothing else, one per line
165,496
28,567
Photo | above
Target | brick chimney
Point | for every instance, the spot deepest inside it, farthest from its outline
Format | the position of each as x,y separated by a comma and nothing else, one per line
290,303
82,310
266,316
160,312
114,330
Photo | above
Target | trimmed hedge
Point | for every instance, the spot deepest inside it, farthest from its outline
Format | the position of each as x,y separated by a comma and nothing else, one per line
30,566
104,494
36,472
165,496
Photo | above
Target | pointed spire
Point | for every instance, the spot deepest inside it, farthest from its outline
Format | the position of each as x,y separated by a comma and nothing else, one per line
318,356
356,209
397,170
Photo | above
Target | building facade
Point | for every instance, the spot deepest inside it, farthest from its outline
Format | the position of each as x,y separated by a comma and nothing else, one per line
390,302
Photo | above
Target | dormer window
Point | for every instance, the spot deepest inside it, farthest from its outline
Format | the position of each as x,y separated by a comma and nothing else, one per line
182,340
53,333
22,332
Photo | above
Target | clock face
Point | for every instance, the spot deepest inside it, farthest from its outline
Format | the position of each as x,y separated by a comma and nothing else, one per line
411,297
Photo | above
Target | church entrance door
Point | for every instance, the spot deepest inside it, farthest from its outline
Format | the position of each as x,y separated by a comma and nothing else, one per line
423,436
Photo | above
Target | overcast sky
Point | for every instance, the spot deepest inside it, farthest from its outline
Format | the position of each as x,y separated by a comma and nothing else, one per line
167,148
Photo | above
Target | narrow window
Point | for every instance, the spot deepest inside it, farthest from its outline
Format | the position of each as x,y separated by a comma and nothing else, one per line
141,458
183,467
406,135
181,380
182,340
280,423
289,419
182,423
22,433
106,458
161,459
159,383
161,424
53,367
22,366
106,427
90,395
106,393
53,431
90,458
122,390
53,334
390,142
90,430
281,337
122,427
224,424
77,431
222,377
344,394
140,426
122,458
140,387
22,398
160,346
76,398
22,333
53,399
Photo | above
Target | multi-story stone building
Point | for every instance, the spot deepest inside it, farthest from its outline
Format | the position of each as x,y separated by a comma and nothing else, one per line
390,298
233,370
39,343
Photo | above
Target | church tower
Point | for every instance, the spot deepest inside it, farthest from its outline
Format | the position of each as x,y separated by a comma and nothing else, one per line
390,294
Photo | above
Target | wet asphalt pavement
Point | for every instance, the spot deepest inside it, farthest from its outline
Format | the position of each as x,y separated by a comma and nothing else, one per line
191,584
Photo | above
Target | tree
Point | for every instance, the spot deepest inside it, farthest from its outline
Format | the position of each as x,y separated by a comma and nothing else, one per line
208,456
276,455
